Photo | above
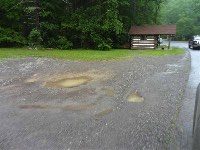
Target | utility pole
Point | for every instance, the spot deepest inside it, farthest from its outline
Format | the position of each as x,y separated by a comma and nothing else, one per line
169,41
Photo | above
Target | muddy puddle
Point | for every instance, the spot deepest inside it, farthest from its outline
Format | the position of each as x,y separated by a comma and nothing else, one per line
135,97
68,82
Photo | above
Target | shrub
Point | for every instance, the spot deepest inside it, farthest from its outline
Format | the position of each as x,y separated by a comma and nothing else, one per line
9,38
104,46
63,43
35,38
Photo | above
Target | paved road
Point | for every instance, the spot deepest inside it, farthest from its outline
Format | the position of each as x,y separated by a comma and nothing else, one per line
185,122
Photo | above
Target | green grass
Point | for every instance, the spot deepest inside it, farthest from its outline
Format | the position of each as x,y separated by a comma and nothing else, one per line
146,53
80,54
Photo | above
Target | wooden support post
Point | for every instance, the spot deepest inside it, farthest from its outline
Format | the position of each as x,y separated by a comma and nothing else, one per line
157,41
131,38
169,39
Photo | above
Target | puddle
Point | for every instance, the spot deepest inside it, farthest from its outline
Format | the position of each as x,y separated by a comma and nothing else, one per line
68,82
135,97
104,112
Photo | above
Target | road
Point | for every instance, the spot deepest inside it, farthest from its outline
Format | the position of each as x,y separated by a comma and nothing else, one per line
126,104
185,122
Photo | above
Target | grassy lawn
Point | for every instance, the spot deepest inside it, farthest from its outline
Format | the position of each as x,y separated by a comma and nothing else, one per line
81,54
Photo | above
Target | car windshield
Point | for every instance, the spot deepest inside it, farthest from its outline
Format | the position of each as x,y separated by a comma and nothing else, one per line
197,38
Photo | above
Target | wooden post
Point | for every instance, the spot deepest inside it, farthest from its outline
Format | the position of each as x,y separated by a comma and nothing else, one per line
157,41
131,38
169,39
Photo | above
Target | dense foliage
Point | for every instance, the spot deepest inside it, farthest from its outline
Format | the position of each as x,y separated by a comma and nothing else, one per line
185,14
67,24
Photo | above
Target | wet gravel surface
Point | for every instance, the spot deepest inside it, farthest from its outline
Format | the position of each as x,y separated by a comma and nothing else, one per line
184,139
96,115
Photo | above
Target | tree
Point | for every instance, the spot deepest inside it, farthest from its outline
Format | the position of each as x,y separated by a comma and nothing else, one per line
181,13
101,24
11,23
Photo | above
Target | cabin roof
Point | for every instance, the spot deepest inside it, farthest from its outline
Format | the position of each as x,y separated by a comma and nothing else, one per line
153,30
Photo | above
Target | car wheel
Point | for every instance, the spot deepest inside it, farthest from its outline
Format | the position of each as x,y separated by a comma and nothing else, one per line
189,46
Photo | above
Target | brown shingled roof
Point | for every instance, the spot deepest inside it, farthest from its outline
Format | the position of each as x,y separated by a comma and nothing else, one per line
153,30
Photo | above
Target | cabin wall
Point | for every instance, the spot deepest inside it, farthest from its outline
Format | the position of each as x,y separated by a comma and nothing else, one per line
143,42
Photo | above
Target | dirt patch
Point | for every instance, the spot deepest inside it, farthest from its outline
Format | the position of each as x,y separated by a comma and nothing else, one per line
108,92
135,97
32,79
71,107
14,88
34,106
79,107
68,82
104,112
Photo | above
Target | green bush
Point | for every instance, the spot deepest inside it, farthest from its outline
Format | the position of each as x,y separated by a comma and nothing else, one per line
51,43
100,42
35,38
63,43
10,38
104,46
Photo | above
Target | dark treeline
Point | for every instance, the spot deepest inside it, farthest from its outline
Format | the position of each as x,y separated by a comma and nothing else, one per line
65,24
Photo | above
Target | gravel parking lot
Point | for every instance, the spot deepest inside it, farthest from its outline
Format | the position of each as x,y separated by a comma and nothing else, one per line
48,104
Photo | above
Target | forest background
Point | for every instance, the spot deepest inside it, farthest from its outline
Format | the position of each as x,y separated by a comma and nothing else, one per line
97,24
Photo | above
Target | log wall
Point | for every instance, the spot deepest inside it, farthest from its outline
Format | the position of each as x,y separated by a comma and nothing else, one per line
148,42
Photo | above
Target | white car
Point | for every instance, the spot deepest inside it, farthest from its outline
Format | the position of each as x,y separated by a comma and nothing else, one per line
194,42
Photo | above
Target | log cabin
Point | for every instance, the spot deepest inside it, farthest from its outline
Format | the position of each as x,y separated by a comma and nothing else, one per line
147,37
